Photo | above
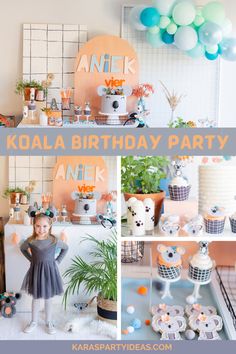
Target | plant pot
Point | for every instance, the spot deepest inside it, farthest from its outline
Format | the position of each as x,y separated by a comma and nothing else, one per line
107,310
27,93
158,199
15,198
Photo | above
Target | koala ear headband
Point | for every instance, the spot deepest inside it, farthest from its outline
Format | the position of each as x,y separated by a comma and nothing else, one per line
47,213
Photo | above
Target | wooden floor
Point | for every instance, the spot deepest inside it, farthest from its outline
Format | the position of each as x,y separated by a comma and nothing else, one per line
2,267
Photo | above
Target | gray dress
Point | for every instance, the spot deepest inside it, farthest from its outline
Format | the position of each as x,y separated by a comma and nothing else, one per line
43,279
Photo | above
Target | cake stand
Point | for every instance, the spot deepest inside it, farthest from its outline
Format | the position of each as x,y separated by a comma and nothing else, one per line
191,299
113,118
167,282
84,219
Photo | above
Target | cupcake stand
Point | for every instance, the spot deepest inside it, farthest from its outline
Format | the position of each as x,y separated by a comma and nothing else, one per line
144,273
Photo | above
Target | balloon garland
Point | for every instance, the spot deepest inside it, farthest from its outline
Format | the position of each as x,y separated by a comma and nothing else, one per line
197,31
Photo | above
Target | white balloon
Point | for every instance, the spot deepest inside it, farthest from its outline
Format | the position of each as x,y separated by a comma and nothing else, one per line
186,38
165,7
227,27
134,17
184,13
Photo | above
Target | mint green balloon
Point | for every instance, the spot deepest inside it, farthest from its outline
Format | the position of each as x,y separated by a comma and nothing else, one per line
154,39
184,13
172,28
212,49
154,30
164,22
214,12
199,20
196,52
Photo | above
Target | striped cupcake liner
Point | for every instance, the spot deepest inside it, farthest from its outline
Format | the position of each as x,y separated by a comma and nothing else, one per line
168,273
233,225
179,193
214,226
201,275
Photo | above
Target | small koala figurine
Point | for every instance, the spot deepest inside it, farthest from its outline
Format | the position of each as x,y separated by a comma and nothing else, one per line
163,309
195,226
170,228
169,327
197,309
207,326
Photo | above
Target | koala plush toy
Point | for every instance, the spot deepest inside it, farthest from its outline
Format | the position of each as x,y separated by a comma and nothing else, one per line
207,326
197,309
163,309
169,327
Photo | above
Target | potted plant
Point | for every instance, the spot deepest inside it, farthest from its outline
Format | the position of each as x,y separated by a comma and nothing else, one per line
98,275
14,194
141,176
23,88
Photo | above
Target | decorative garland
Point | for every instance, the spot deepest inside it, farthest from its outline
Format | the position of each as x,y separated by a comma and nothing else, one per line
197,31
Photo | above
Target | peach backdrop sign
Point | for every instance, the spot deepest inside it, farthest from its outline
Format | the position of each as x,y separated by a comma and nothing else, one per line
102,61
71,172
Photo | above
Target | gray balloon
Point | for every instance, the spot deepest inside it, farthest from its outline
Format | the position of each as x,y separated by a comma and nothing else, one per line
228,49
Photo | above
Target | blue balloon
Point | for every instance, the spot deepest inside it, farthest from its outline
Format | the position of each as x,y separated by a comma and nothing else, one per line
228,49
210,33
150,17
154,39
211,56
168,38
219,50
196,52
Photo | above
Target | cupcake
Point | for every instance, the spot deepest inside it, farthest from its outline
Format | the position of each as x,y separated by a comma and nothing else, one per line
201,265
214,220
179,189
232,220
169,262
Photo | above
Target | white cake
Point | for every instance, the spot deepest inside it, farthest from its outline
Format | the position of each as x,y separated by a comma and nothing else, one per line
86,207
217,187
113,104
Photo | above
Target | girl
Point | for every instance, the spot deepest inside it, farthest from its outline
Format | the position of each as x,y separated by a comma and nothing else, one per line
42,280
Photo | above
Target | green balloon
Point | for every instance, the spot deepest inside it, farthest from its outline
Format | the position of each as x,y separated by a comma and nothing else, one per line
212,49
214,12
198,21
172,28
155,39
154,30
164,22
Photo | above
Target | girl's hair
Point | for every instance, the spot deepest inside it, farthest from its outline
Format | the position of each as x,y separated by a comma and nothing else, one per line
49,220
